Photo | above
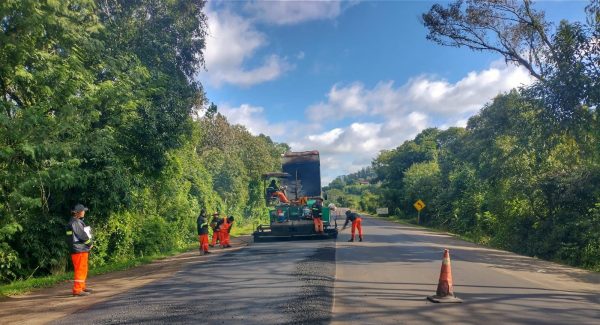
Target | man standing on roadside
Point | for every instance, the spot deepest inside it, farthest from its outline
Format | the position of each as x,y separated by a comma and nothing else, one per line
215,224
202,222
81,243
225,230
356,224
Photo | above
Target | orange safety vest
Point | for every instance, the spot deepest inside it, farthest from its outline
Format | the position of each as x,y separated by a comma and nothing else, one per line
225,225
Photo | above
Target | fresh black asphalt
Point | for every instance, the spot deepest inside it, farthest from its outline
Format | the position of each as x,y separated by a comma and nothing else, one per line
265,283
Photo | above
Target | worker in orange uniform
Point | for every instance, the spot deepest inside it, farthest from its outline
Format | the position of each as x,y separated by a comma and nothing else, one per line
274,191
280,195
215,223
356,221
81,243
225,230
317,215
202,223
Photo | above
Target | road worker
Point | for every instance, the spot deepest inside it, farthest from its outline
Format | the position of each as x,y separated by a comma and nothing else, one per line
317,215
303,200
280,195
332,215
274,191
81,243
215,224
202,223
356,224
225,231
272,188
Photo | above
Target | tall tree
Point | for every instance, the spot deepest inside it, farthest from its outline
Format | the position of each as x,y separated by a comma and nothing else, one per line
564,58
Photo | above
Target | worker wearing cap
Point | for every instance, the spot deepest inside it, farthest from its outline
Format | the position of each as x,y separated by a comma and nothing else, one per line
317,215
356,224
202,223
215,224
225,230
81,243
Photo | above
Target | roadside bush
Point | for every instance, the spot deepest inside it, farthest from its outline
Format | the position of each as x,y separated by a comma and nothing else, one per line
155,237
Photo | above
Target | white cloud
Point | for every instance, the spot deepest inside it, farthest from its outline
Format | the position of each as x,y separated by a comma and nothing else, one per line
327,137
232,41
402,112
390,115
421,94
253,118
293,12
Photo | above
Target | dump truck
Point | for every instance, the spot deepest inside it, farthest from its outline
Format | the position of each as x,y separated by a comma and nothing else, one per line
290,201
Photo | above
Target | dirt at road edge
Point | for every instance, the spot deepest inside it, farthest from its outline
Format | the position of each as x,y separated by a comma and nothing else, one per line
45,305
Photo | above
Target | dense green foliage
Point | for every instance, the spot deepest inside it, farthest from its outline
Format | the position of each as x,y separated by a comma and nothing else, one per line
507,180
525,173
96,107
355,191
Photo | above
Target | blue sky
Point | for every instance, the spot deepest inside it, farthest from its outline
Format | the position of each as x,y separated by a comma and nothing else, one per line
347,78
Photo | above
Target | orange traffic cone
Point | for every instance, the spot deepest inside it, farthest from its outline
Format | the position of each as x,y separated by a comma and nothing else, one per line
444,292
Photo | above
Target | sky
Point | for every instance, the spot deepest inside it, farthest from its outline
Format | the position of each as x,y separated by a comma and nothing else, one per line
347,78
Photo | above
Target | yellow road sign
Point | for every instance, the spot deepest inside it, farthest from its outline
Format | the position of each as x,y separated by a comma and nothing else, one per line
419,205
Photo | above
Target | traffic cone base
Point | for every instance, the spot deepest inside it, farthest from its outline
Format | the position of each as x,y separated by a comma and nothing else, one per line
445,292
439,299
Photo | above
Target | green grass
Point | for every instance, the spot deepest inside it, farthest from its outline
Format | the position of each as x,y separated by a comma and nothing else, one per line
240,230
21,287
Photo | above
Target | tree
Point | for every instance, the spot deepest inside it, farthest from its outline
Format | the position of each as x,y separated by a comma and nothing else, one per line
565,61
46,94
509,27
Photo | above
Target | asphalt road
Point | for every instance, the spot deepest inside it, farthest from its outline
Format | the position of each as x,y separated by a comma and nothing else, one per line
266,283
386,278
383,280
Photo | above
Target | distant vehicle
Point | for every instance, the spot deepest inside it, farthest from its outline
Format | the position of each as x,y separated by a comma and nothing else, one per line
291,200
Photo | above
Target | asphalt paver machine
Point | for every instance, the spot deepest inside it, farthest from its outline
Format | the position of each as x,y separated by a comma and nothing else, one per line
290,214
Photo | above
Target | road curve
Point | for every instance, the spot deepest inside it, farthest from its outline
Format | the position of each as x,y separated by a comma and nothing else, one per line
385,279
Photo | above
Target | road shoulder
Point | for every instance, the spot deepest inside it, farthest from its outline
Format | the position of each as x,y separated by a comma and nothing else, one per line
45,305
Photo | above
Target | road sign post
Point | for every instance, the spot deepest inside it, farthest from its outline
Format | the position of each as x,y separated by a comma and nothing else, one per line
419,205
382,211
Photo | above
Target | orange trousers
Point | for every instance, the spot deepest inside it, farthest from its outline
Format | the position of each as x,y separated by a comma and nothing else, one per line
356,225
318,225
224,238
203,239
216,236
80,266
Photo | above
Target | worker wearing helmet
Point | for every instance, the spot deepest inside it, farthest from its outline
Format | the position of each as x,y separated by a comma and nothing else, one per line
81,244
356,224
225,230
215,225
202,223
317,214
274,191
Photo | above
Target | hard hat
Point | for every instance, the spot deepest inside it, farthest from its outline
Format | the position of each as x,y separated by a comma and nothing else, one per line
79,207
